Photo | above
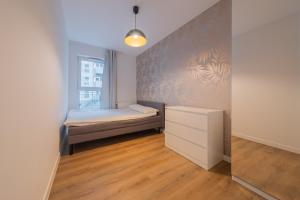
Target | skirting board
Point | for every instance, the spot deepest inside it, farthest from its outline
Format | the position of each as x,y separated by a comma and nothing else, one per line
266,142
253,189
227,159
51,179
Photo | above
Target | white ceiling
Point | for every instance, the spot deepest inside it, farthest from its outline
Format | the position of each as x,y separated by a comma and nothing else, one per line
104,23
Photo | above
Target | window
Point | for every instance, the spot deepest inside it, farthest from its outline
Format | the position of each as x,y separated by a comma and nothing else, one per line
90,82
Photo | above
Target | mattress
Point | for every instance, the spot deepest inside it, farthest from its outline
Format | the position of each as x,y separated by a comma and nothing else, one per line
84,118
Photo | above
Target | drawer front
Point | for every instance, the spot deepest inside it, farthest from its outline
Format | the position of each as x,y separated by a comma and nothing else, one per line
195,136
189,150
189,119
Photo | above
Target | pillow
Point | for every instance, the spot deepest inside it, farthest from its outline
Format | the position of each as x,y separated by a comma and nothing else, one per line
143,109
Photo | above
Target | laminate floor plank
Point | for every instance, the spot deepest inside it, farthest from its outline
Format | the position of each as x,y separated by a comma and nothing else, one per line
140,168
272,170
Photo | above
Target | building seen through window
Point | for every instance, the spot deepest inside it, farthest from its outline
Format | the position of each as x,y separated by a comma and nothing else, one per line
91,82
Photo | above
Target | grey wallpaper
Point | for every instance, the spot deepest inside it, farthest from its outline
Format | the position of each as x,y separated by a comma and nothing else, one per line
192,65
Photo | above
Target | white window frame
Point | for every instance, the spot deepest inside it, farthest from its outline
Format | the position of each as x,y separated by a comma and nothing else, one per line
82,88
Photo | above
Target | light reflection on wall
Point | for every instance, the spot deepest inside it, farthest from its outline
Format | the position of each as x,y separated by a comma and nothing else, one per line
210,67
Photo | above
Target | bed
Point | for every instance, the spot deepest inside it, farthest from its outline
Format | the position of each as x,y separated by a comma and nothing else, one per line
112,123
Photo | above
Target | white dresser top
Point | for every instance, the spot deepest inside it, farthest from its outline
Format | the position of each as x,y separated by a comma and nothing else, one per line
193,109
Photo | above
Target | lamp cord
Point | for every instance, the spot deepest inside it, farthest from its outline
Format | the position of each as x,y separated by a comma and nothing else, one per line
134,21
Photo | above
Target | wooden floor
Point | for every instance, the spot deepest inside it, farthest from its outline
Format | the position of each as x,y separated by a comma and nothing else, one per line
140,168
275,171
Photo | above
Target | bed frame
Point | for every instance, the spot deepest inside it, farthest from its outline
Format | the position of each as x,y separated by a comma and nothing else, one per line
79,134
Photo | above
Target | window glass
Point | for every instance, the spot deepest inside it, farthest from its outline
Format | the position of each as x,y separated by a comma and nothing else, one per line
90,83
89,100
91,73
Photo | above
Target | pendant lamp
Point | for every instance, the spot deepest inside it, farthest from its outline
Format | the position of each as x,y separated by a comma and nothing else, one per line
135,37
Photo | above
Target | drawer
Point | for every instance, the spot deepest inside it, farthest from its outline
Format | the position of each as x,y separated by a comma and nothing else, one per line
189,119
195,136
189,150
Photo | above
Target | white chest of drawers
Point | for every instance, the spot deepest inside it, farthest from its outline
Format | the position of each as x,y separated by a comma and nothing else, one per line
196,134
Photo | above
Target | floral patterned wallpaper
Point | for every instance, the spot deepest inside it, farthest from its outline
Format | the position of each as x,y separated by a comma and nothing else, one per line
192,66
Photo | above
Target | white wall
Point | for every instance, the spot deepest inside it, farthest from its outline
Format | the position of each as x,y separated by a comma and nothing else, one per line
266,84
126,74
32,102
126,80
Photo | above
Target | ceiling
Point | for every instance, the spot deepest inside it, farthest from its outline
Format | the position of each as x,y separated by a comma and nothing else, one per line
104,23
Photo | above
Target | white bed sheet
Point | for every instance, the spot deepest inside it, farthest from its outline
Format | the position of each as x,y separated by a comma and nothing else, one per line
84,118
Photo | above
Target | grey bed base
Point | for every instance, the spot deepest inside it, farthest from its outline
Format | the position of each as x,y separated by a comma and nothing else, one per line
81,134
